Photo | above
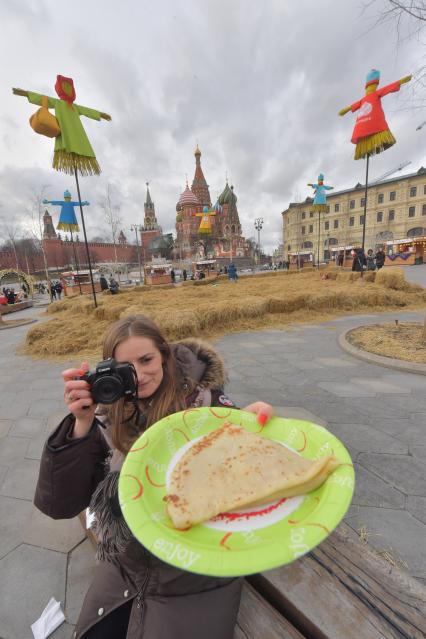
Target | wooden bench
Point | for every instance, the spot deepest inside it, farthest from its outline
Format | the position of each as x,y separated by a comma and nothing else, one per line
341,590
12,308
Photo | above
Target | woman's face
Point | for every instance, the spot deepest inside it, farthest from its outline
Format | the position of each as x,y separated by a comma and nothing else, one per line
147,360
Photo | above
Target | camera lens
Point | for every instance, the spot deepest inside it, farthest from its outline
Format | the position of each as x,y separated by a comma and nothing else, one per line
107,389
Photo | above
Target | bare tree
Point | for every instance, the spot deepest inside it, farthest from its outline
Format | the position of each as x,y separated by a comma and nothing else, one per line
11,231
111,209
36,226
408,18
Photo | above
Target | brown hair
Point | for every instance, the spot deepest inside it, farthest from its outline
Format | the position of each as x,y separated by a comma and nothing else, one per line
168,398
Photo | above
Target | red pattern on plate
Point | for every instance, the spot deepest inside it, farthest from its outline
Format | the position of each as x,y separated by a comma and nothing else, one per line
140,491
153,483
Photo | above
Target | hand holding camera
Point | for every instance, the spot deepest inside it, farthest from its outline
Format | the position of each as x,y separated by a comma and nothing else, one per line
107,384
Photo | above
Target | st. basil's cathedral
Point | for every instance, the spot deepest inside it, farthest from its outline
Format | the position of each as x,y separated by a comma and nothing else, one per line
204,230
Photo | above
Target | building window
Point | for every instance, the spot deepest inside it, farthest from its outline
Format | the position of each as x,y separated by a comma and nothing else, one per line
424,189
391,215
392,196
303,230
288,247
328,208
380,216
336,224
424,209
380,198
361,219
352,204
336,208
311,228
303,215
327,226
362,202
413,191
411,211
311,214
351,221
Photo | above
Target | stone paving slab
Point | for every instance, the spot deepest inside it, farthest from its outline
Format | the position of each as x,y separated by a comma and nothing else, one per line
14,515
5,425
81,567
26,427
394,530
373,491
406,473
29,577
21,479
61,535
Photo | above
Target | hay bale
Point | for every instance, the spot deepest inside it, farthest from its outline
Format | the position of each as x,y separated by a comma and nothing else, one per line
393,278
370,276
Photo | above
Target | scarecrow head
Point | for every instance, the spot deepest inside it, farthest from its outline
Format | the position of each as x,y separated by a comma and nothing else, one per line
372,80
64,87
67,196
321,179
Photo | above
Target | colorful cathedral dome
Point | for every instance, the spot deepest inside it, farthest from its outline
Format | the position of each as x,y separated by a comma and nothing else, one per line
227,196
188,198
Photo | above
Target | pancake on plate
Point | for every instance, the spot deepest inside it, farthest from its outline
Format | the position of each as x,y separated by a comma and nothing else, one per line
232,468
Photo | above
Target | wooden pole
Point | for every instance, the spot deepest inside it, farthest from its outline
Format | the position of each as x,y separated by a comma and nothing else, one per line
76,263
85,238
365,214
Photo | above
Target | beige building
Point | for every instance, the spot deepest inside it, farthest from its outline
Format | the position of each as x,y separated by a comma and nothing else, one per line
396,209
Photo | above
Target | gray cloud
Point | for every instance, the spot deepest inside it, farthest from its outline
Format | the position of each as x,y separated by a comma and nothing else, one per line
258,85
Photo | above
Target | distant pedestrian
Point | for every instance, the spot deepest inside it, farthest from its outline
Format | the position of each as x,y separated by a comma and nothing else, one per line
173,275
51,290
184,274
380,258
113,286
232,273
103,282
371,264
359,261
58,290
340,259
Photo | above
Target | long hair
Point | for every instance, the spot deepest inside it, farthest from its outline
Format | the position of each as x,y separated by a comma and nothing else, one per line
169,396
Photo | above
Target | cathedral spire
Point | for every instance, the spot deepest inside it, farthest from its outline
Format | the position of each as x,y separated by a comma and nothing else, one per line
199,186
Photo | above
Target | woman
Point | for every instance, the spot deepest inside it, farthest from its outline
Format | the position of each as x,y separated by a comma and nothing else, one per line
134,595
371,263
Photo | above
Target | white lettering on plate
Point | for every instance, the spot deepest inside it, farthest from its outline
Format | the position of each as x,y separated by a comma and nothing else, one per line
297,539
172,551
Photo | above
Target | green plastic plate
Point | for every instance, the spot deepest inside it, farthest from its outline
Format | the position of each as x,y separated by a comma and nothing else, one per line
238,543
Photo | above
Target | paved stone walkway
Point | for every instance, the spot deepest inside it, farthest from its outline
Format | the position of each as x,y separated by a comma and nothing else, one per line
379,414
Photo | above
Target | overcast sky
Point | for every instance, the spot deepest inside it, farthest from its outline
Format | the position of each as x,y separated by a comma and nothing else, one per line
258,84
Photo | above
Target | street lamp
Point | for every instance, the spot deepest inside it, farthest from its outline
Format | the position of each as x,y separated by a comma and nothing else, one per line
138,228
258,224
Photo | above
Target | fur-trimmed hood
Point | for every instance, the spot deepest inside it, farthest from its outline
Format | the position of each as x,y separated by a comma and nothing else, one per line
197,360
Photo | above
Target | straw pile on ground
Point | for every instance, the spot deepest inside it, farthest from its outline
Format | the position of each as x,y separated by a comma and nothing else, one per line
399,340
76,329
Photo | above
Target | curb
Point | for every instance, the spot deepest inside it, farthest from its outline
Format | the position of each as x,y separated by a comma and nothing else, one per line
16,323
386,362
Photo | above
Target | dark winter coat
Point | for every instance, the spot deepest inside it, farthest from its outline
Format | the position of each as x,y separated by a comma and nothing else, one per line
380,259
168,603
359,262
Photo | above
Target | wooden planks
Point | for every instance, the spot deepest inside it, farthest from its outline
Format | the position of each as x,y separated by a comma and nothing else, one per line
258,620
343,590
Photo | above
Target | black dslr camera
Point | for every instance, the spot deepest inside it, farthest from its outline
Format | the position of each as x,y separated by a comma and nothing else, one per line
111,381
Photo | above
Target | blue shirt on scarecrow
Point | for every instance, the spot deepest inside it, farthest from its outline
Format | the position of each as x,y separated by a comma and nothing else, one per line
67,217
